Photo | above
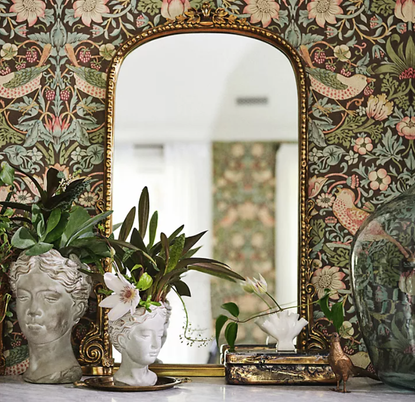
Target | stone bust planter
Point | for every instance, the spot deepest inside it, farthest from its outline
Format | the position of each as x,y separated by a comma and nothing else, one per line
51,296
138,337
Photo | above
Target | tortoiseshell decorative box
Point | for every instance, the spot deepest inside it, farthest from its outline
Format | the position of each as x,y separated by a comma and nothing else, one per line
262,365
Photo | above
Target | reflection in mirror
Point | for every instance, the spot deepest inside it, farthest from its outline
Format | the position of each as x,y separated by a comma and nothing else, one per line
213,135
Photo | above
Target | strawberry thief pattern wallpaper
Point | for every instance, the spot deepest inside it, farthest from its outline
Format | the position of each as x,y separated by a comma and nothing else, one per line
360,60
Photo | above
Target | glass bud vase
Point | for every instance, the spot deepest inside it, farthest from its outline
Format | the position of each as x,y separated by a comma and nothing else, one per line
383,282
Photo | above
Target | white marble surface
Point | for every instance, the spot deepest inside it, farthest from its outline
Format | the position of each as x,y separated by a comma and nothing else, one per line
14,389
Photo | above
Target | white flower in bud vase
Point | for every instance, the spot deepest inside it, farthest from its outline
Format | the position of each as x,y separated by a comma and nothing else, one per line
125,297
258,286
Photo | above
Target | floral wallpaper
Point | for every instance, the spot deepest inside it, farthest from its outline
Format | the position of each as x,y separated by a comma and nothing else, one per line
244,224
360,64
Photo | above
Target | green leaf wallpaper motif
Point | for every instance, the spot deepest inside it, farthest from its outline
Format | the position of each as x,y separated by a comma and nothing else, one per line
360,61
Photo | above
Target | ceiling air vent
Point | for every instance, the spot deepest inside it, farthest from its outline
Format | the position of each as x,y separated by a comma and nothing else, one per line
252,101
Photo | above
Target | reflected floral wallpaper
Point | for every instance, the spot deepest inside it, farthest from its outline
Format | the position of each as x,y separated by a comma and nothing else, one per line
244,224
360,58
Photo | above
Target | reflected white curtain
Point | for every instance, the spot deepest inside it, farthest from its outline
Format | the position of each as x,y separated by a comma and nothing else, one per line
287,202
188,194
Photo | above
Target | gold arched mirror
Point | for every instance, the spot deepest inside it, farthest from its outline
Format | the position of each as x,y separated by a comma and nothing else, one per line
135,134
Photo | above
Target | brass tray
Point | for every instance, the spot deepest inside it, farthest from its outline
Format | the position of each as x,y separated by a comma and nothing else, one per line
107,384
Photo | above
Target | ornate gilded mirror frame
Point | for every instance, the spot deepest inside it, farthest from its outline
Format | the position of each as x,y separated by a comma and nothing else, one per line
208,20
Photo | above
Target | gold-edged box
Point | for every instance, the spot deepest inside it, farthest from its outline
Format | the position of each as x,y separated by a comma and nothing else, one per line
261,364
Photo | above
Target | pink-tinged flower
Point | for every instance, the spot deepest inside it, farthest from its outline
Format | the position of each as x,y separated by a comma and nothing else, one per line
379,180
262,11
405,10
170,9
406,128
324,11
315,184
363,145
126,296
90,10
56,126
325,200
330,220
407,282
328,278
378,107
28,10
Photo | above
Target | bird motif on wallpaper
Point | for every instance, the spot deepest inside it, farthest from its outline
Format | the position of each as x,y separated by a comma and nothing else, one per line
351,218
332,85
22,82
87,80
345,210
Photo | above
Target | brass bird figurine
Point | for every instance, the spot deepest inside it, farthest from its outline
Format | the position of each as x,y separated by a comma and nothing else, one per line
342,366
340,363
332,85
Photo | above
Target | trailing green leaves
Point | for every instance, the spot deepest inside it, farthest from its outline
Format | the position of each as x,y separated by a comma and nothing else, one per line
231,330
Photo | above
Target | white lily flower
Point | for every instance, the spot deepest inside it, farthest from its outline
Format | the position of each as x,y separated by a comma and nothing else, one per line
125,297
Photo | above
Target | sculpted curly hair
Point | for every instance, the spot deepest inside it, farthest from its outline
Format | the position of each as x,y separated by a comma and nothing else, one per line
57,267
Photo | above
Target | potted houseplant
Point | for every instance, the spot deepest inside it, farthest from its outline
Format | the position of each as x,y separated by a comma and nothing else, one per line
144,275
56,240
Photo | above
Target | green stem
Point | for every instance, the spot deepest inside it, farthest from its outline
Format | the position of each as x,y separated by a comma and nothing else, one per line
186,327
270,296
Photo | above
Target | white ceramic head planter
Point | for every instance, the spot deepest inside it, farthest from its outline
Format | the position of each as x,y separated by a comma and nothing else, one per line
51,296
138,338
284,326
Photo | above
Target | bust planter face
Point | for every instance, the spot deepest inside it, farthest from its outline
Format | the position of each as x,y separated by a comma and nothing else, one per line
138,338
43,307
51,296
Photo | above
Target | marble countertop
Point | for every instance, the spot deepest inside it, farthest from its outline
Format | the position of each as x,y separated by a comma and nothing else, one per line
204,389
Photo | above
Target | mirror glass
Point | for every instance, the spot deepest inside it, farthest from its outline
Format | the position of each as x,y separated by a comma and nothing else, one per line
209,123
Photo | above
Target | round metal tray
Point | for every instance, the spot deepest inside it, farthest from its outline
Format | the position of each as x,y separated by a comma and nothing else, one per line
107,383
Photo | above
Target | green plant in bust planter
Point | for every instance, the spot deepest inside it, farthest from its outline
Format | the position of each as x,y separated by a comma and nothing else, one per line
49,280
54,222
144,275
